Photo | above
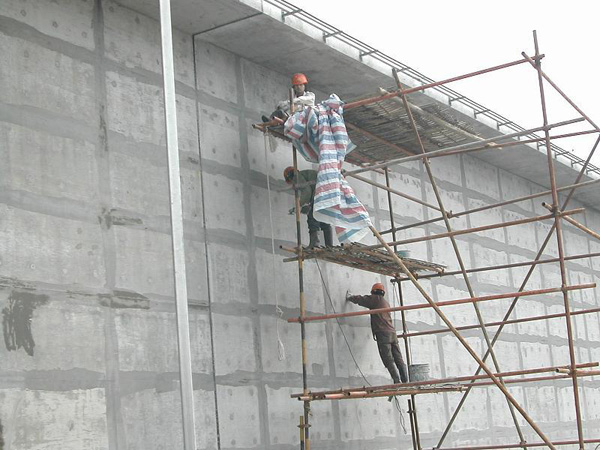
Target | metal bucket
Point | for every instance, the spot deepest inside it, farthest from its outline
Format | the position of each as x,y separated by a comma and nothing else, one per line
418,372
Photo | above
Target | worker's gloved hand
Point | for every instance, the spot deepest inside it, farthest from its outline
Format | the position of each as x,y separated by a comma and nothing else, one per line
305,209
292,211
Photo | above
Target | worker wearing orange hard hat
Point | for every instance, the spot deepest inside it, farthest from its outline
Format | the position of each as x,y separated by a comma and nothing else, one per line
302,99
383,331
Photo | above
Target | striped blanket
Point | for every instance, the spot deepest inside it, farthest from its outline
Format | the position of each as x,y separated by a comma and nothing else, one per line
319,134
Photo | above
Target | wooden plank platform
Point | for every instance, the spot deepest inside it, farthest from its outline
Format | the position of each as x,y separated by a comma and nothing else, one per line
358,256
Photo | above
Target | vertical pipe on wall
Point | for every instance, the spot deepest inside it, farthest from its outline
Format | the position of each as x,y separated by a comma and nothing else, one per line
183,331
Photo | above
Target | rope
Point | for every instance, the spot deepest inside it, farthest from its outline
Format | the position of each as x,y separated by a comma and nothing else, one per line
340,325
396,401
402,420
278,311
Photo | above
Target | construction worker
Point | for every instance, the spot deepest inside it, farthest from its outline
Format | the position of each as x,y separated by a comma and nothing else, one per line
383,331
307,180
302,98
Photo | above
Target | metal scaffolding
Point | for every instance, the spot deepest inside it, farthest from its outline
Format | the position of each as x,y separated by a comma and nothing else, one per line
384,145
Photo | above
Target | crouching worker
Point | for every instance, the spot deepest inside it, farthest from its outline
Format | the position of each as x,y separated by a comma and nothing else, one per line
307,180
302,99
383,331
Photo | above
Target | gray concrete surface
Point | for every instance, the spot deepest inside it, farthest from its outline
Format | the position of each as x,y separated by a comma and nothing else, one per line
89,356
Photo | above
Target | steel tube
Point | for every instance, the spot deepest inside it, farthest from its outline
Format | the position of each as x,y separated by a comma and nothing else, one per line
502,322
467,147
462,340
304,349
177,240
531,444
459,259
523,284
559,242
369,101
512,373
504,266
478,229
378,139
557,89
439,304
575,223
453,215
394,191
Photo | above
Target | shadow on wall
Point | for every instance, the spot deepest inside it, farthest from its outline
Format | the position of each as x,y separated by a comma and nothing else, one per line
1,438
16,322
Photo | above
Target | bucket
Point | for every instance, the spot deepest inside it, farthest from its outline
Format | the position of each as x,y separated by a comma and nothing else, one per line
418,372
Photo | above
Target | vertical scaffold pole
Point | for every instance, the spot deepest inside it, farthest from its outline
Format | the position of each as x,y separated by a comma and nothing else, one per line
559,243
306,425
412,407
183,328
301,426
459,258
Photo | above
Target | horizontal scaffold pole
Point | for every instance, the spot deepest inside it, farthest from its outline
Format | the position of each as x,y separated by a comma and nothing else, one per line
512,373
502,322
523,444
563,374
446,303
479,229
492,206
503,266
401,390
467,147
368,101
394,191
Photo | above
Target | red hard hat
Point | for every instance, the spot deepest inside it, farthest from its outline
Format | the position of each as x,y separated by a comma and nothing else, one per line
378,287
299,78
288,174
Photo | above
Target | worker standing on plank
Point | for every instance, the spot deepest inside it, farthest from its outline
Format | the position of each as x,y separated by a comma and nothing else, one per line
383,331
307,180
302,99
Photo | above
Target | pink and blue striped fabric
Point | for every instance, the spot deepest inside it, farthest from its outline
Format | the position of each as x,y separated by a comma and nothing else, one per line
319,134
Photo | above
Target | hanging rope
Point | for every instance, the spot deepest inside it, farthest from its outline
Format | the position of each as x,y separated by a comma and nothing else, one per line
340,325
396,402
280,346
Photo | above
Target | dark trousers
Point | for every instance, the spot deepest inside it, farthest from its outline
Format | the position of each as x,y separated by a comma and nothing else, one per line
392,359
313,224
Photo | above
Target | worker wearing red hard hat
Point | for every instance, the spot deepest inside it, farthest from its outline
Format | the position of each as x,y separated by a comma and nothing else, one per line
302,98
383,331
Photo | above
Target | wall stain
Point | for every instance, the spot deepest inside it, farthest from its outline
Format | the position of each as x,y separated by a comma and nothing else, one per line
16,320
125,299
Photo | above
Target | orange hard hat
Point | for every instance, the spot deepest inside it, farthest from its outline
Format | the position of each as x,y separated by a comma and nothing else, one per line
299,78
378,287
288,174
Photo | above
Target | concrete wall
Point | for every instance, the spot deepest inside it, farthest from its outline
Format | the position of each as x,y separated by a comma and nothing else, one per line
89,357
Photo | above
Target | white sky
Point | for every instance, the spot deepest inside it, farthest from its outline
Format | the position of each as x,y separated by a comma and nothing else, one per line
444,38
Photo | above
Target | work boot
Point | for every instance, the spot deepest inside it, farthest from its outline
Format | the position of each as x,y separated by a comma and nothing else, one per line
328,235
314,239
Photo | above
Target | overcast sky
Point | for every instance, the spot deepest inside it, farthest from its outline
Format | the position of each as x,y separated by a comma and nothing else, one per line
444,38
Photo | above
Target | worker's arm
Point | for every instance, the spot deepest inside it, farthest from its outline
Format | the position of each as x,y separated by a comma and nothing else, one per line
366,301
